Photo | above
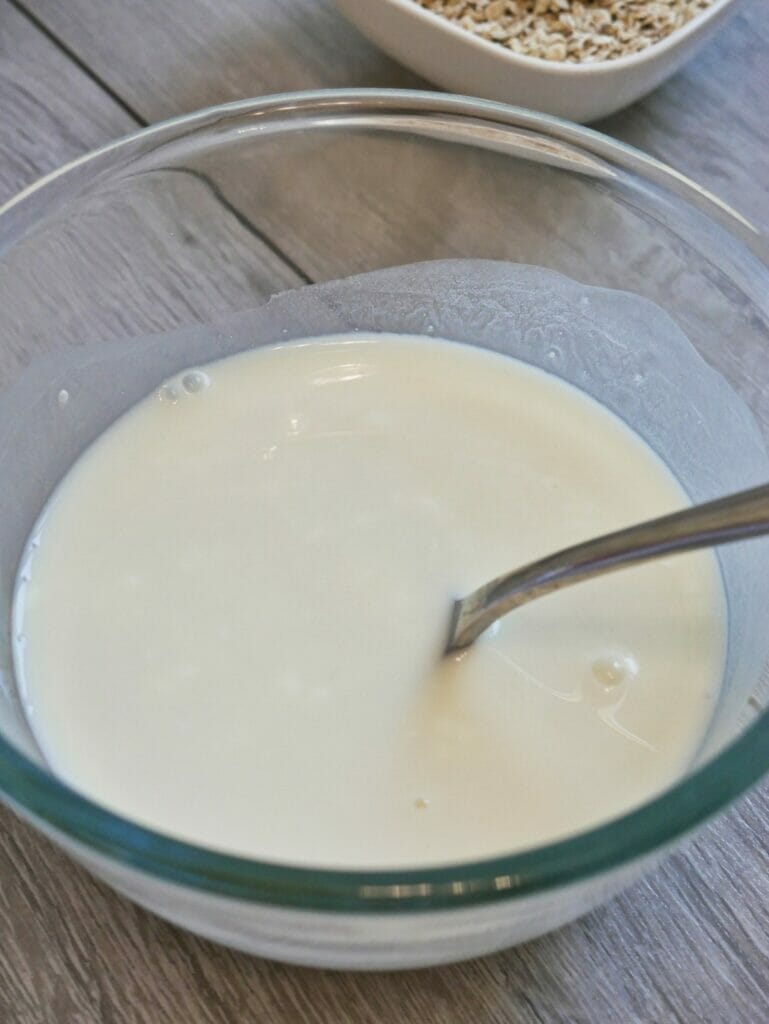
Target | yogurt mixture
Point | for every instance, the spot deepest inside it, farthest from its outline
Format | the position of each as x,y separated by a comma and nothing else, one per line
234,609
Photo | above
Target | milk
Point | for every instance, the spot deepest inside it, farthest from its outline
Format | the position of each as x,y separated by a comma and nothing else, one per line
237,600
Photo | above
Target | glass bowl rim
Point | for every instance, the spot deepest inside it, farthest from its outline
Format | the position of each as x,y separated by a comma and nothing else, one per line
82,824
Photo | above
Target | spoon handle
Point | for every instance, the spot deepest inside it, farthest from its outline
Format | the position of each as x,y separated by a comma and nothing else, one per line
735,517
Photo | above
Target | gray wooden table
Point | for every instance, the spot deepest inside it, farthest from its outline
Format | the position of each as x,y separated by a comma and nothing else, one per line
688,944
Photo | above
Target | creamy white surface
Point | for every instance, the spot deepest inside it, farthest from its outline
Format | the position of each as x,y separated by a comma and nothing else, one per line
237,601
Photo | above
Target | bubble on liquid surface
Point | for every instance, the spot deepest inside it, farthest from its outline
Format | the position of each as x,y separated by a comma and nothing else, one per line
63,397
194,381
168,393
614,669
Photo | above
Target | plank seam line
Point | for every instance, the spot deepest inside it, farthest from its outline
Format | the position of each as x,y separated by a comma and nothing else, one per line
241,218
71,55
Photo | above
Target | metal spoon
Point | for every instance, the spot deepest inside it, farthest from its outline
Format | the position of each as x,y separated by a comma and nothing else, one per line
735,517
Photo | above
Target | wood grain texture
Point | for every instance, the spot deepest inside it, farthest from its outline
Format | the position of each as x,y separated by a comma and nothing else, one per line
50,112
181,55
711,121
688,944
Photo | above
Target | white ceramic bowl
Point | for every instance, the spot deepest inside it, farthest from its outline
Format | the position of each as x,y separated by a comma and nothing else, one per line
452,57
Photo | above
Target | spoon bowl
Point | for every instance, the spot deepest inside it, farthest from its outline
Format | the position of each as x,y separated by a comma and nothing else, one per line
735,517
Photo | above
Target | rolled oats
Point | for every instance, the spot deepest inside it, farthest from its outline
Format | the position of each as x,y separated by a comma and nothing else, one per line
572,31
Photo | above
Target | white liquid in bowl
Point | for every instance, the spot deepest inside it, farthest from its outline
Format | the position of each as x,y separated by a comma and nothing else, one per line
238,598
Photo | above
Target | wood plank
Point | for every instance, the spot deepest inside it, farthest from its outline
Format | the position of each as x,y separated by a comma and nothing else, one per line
178,56
50,112
178,222
711,121
140,263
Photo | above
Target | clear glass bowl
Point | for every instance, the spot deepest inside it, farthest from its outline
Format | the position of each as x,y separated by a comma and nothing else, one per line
175,226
